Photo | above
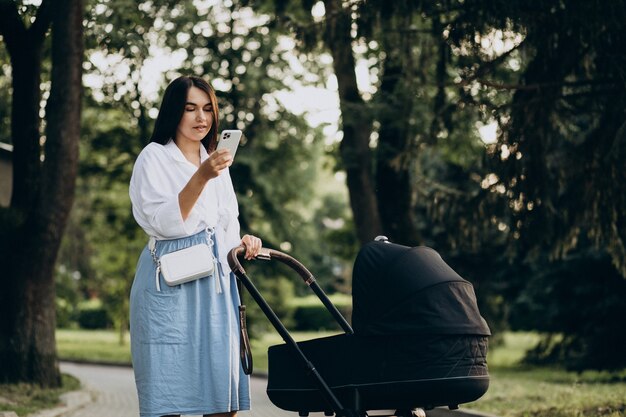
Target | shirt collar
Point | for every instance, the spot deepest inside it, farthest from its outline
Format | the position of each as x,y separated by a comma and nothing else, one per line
177,154
203,153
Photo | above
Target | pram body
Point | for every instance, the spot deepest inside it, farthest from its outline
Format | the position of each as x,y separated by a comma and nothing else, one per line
418,340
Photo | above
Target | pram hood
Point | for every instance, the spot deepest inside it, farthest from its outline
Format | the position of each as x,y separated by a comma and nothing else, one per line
410,290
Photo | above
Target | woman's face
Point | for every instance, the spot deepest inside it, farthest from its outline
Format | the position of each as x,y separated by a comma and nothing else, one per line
197,118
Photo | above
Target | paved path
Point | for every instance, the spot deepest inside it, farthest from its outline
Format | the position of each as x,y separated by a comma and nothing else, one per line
114,392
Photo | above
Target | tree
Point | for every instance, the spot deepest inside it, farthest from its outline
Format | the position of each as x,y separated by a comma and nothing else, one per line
276,171
555,176
387,133
356,123
548,195
43,184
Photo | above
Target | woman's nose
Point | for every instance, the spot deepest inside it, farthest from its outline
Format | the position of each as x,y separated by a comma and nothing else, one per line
201,115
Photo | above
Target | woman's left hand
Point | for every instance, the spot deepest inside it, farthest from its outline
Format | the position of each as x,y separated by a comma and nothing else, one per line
253,244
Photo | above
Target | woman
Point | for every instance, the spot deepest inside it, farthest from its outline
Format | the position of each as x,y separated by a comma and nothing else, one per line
185,338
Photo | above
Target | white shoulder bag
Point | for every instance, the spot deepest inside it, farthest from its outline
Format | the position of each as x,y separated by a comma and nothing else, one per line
184,265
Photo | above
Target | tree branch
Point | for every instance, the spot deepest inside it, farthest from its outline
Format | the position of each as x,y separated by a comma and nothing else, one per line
42,21
535,86
14,31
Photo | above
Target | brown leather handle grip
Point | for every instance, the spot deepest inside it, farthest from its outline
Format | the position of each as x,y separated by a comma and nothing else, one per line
268,254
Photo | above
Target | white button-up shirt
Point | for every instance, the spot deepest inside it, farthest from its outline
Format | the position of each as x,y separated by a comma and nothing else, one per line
159,174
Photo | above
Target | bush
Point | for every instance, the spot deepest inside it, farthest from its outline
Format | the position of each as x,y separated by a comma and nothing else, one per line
311,314
579,303
65,313
277,293
91,315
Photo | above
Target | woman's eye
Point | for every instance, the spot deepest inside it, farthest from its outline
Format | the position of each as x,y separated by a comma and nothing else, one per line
189,109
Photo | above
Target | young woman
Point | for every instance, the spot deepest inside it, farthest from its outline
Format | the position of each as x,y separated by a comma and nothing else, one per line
185,338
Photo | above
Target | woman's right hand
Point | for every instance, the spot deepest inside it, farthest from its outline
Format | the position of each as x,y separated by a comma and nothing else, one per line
209,169
215,163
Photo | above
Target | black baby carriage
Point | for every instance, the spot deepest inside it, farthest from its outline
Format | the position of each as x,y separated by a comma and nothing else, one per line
418,340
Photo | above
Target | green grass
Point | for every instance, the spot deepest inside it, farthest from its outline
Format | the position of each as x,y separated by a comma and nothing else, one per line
92,345
523,391
337,299
25,399
552,393
515,390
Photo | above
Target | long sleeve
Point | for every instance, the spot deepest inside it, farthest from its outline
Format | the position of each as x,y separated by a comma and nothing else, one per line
154,196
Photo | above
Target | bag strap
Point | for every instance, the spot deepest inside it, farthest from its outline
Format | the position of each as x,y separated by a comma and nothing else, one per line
245,354
157,261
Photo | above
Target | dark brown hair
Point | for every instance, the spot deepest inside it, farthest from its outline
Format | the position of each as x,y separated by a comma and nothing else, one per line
173,107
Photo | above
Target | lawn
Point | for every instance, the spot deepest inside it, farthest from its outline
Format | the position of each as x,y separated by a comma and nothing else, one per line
92,345
524,391
515,390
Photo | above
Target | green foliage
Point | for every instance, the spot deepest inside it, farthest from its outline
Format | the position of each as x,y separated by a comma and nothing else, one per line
5,99
102,242
93,318
317,317
505,213
311,315
580,299
534,221
277,292
27,399
92,315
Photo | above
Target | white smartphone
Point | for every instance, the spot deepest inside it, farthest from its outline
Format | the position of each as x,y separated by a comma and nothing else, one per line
229,139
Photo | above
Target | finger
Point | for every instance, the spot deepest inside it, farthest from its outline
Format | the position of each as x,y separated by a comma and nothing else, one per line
221,164
220,153
256,246
245,241
251,244
222,159
254,249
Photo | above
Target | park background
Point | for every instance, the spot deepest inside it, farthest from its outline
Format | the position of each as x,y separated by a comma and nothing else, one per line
492,131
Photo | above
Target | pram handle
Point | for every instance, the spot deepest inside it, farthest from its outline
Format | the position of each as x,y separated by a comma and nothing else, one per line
308,278
268,254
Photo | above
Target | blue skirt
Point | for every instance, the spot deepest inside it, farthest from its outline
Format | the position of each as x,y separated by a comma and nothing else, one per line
185,339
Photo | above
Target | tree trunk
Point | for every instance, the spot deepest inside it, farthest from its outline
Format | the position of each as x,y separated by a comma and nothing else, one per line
355,152
394,158
393,178
31,230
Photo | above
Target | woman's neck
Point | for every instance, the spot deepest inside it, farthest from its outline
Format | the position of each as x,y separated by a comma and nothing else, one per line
191,150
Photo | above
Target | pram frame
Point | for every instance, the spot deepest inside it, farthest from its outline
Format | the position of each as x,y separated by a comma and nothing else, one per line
334,403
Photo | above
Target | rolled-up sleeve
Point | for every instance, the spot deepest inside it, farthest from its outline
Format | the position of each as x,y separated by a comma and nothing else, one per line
155,199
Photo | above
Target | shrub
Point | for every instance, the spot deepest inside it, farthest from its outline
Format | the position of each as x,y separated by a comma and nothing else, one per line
311,314
277,292
92,315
